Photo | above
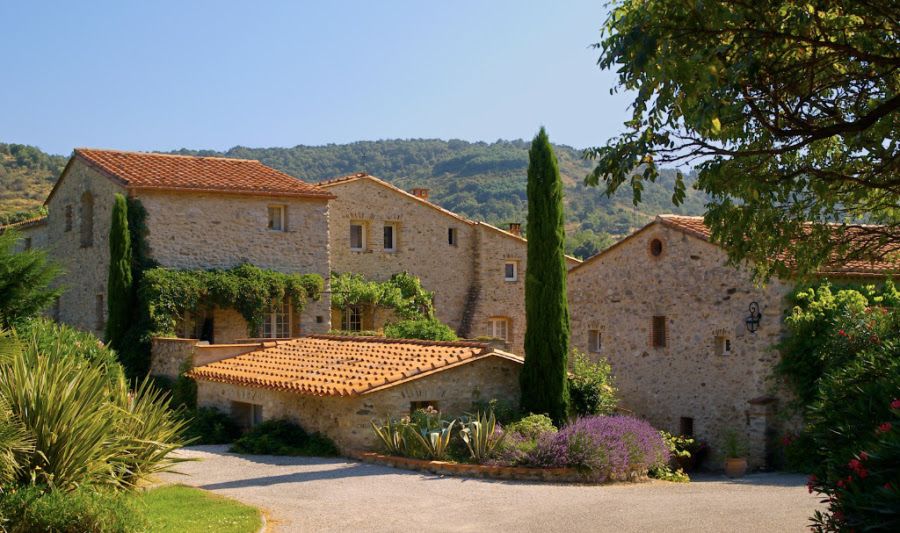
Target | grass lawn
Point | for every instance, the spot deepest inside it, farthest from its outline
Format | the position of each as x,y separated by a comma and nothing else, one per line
181,509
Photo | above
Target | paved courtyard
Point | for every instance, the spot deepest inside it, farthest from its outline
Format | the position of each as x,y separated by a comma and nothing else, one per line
314,494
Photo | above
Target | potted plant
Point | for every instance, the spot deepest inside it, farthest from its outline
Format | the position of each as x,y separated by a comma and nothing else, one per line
735,455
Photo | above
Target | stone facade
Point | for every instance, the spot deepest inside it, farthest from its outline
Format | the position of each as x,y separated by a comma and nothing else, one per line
185,230
711,366
347,420
468,277
78,221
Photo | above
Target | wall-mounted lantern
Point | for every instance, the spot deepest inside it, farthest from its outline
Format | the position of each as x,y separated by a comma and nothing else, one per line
752,321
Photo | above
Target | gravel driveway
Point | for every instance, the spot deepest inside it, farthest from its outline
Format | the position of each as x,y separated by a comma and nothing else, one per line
314,494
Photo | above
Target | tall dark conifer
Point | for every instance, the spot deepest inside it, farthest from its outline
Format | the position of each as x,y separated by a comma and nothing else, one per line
543,378
120,289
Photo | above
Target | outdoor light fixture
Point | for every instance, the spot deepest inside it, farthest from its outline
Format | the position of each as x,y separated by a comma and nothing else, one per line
752,321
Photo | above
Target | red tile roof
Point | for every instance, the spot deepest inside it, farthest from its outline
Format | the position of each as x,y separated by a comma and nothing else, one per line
141,170
696,227
326,365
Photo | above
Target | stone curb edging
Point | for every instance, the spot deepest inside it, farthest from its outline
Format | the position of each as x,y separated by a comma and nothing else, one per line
517,473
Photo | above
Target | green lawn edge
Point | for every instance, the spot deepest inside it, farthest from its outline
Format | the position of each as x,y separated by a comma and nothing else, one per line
183,509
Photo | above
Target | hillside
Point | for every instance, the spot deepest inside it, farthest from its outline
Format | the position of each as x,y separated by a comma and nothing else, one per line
483,181
26,176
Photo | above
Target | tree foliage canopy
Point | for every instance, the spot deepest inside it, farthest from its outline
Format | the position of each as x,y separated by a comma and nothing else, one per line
544,377
25,279
788,109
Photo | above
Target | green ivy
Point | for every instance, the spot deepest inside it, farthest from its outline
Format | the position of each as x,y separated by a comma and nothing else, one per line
168,293
403,293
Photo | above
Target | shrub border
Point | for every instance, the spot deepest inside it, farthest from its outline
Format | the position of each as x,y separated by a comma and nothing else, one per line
445,468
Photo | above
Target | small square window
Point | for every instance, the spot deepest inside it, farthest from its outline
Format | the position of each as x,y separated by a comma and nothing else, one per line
277,218
357,236
595,341
723,345
452,236
511,271
422,404
390,238
686,426
27,243
500,328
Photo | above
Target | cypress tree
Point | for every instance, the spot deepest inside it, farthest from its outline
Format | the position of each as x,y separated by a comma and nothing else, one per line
120,289
544,380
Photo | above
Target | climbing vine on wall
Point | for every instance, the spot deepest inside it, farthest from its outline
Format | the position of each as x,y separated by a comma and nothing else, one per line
168,293
403,293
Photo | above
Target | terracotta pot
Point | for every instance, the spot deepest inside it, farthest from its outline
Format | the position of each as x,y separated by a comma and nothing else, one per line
735,467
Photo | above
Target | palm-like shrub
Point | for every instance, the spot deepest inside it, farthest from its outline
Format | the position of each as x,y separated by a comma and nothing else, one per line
87,426
14,444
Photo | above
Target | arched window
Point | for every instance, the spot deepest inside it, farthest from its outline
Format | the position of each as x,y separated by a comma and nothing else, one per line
87,220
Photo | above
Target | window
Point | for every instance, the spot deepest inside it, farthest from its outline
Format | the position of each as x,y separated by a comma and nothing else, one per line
68,218
246,415
452,237
595,341
511,271
277,218
723,345
658,333
686,426
500,328
390,238
357,236
351,318
87,220
27,243
656,247
99,313
277,322
422,404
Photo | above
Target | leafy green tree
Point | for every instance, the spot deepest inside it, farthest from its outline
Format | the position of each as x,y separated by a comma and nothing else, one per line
121,293
789,110
25,278
543,378
420,328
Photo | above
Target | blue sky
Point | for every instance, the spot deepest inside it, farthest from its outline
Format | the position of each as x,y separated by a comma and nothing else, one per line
166,75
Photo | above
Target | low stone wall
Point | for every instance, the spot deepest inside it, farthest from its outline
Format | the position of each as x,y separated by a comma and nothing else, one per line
445,468
168,355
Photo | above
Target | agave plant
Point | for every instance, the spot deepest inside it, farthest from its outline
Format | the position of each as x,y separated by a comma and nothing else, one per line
15,445
482,436
393,435
434,441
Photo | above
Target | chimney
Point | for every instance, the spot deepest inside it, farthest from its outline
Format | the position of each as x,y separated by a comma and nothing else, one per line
515,228
420,193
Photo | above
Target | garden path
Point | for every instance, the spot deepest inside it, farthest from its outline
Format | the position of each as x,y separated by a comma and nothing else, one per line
315,494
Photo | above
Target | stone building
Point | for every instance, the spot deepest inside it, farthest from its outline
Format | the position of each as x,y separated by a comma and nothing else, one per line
202,212
338,385
671,317
476,270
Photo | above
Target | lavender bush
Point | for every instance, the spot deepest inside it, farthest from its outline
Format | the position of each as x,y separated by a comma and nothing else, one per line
602,447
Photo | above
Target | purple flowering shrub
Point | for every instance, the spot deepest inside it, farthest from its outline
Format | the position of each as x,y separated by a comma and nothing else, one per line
602,447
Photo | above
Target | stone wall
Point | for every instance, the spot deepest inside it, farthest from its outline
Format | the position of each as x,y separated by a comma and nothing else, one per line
32,235
83,304
348,420
189,230
701,298
168,355
422,246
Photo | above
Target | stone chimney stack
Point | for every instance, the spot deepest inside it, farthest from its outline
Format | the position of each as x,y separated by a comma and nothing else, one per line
420,193
515,228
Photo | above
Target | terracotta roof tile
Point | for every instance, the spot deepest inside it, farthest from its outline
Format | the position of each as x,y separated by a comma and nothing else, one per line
141,170
326,365
29,223
695,226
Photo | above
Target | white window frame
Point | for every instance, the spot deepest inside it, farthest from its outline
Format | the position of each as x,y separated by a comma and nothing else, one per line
270,326
724,346
282,211
362,236
497,323
515,271
595,341
393,227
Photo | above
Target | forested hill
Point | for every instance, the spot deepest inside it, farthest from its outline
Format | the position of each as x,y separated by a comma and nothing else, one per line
26,176
483,181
